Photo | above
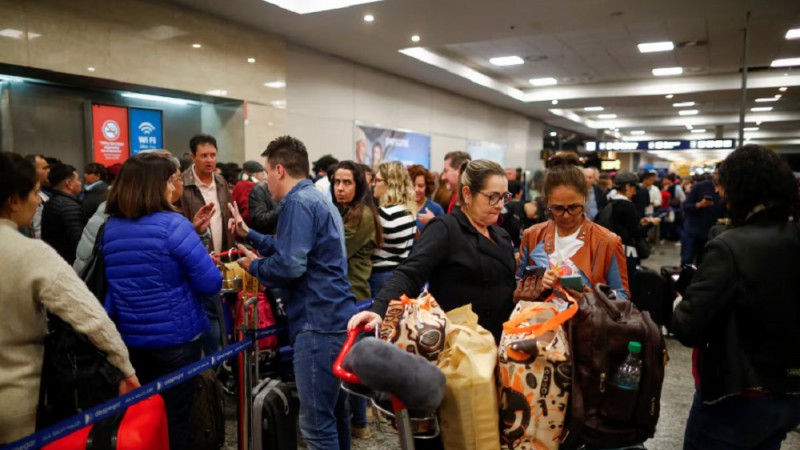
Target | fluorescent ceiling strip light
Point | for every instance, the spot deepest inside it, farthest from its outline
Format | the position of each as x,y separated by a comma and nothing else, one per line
637,132
767,99
649,47
750,128
507,61
547,81
761,109
667,71
158,98
275,84
688,112
593,108
683,104
785,62
606,116
793,34
312,6
698,130
456,68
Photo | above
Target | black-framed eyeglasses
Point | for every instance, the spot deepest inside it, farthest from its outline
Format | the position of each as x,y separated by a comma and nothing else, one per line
495,197
559,210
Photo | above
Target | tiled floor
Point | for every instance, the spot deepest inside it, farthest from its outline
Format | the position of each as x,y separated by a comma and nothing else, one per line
675,399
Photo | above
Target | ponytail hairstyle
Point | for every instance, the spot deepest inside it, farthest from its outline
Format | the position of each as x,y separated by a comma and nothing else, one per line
563,169
354,212
473,174
399,188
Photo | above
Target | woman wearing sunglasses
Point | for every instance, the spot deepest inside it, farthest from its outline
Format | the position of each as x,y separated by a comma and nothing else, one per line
569,243
463,256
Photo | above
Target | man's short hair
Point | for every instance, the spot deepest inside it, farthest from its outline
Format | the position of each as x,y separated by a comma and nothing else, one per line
60,173
289,152
457,159
97,169
201,139
648,174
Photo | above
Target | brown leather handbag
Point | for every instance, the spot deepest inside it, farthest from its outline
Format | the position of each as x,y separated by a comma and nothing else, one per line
602,415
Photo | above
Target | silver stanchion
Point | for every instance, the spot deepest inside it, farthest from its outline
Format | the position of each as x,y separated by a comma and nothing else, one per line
245,418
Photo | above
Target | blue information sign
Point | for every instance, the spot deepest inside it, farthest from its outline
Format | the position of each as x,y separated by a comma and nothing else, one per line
146,130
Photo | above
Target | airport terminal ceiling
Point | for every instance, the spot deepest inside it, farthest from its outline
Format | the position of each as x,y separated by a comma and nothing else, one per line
579,67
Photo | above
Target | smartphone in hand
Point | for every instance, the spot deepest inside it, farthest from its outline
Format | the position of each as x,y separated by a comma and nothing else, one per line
533,271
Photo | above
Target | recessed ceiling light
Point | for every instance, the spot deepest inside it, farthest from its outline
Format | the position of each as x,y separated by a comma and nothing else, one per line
553,134
217,92
507,61
688,112
196,46
649,47
275,84
606,116
415,38
251,60
783,89
554,102
369,18
548,81
761,109
312,6
793,34
750,128
666,71
785,62
778,96
698,130
637,132
593,108
90,69
669,96
767,99
683,104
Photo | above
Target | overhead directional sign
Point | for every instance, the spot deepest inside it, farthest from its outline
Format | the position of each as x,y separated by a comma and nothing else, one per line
633,146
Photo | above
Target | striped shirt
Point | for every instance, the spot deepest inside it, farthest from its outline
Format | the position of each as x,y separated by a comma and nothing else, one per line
399,230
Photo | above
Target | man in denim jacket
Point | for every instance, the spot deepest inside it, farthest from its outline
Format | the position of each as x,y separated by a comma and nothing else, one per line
307,259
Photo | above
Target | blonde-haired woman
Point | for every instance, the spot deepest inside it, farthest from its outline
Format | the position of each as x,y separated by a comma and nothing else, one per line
394,191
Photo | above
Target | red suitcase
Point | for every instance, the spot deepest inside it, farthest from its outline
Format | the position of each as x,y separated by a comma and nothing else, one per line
141,426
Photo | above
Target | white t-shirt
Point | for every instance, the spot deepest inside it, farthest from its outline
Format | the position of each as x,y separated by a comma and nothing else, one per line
209,193
566,247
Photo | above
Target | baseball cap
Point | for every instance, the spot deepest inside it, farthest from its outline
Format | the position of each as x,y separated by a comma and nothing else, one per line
252,167
625,177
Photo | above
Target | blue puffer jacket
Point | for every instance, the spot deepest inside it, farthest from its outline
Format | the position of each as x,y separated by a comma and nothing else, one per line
156,267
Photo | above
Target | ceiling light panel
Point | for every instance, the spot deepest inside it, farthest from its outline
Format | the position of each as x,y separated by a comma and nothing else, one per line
275,84
507,61
761,109
312,6
793,34
688,112
548,81
593,108
786,62
698,130
637,132
750,128
667,71
683,104
649,47
606,116
767,99
369,18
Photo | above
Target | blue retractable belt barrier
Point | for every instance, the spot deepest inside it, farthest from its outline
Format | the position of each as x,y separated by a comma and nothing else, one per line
117,404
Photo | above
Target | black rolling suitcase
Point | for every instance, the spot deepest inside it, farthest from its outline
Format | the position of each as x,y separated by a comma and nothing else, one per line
276,408
208,418
650,292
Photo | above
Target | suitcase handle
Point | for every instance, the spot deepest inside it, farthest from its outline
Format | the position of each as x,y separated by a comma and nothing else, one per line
338,369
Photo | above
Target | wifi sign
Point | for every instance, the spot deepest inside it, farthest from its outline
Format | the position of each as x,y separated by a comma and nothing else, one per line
145,129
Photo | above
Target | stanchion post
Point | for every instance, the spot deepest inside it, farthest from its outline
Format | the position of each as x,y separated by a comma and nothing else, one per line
246,381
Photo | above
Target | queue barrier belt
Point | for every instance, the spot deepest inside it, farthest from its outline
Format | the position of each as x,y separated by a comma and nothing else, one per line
117,404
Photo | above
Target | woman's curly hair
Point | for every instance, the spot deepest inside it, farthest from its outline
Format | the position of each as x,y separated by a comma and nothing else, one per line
752,176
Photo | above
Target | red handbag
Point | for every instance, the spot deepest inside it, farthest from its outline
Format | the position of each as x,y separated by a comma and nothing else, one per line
142,425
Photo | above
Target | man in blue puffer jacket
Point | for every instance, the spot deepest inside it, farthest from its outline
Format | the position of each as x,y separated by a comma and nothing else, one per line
156,268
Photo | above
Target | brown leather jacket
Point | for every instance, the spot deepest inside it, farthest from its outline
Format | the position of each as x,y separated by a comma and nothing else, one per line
601,259
192,201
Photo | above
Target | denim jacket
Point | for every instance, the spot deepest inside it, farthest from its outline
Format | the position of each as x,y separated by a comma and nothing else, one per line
307,259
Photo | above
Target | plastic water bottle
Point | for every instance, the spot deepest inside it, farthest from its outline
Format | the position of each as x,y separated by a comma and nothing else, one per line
630,372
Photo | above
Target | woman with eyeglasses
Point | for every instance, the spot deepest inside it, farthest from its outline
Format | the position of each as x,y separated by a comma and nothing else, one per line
464,256
569,243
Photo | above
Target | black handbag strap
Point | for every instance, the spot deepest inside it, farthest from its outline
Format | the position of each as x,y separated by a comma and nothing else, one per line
103,435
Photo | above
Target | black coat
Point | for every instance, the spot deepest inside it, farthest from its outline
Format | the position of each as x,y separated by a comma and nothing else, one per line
263,210
93,198
62,224
461,266
742,309
600,198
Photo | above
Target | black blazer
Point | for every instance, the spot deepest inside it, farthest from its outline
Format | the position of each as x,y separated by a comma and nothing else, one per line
461,266
62,224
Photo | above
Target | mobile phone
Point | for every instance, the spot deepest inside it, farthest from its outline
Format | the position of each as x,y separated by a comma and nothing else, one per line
533,271
574,282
